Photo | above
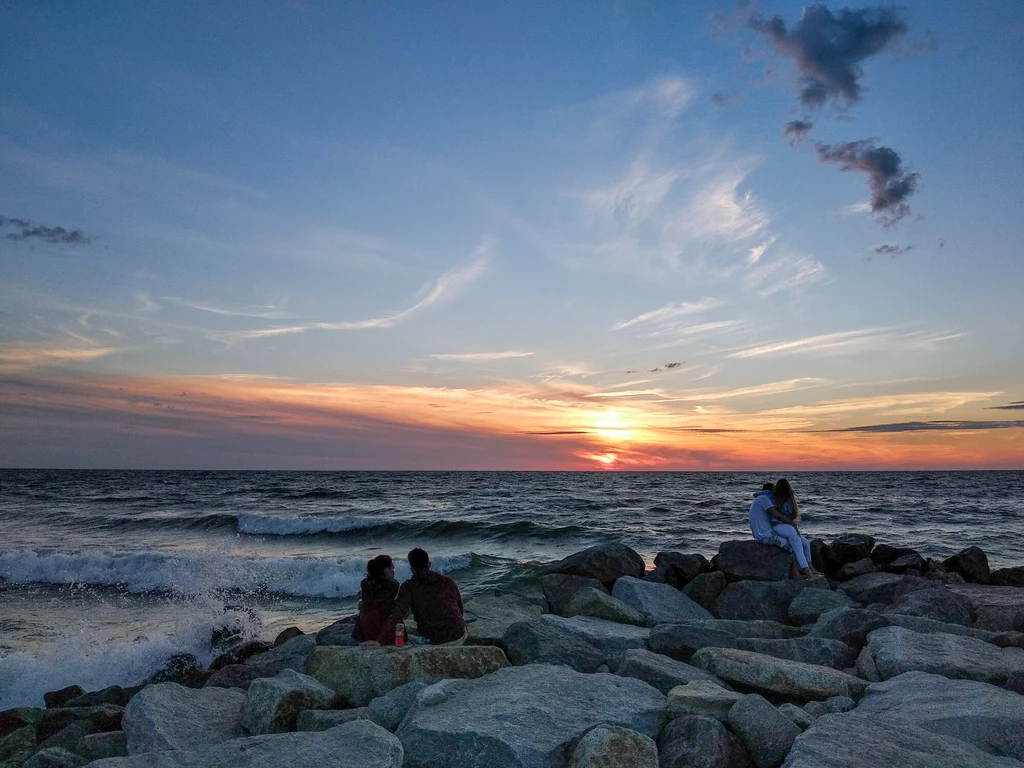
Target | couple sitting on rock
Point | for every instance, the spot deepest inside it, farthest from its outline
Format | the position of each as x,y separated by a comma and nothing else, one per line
433,598
773,517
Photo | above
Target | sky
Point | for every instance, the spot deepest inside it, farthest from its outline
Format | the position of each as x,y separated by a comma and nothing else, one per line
605,235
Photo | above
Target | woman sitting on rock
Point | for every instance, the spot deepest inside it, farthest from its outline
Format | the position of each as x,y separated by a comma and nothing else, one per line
784,501
377,593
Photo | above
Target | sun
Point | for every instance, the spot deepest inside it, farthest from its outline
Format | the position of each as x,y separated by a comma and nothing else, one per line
612,426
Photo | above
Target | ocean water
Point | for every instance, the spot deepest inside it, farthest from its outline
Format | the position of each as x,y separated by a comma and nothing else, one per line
104,575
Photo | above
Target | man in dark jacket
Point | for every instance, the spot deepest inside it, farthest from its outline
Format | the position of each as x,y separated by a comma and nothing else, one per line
435,602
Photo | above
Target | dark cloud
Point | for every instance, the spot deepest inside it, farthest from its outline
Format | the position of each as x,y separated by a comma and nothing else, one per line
670,366
723,100
890,185
934,426
797,130
1016,405
828,48
893,250
665,367
26,230
559,432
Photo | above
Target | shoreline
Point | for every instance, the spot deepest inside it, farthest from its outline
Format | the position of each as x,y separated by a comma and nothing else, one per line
711,638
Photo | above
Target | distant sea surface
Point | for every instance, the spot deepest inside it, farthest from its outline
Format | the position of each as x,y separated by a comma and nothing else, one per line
104,575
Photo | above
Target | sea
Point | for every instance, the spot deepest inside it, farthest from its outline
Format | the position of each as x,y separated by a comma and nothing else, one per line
106,574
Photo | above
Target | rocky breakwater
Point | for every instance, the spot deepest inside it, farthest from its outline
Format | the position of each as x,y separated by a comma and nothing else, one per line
890,658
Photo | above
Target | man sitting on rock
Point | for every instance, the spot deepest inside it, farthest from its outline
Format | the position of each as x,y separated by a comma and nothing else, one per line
762,513
435,602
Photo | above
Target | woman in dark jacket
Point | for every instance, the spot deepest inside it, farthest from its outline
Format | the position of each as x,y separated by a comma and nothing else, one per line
377,594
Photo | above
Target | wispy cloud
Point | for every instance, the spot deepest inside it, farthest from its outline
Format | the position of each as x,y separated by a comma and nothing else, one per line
786,272
475,356
829,342
266,313
444,288
932,426
669,312
1016,405
18,358
769,388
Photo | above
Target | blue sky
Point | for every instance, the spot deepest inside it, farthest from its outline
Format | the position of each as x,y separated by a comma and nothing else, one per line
410,235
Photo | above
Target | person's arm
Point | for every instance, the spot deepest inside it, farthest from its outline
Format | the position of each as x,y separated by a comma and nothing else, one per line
781,517
403,604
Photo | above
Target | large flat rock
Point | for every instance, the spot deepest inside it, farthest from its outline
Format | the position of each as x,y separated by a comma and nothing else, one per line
359,675
999,609
760,600
661,671
850,740
522,717
895,650
170,716
747,559
810,650
658,603
605,562
611,638
488,616
779,677
538,642
358,744
989,718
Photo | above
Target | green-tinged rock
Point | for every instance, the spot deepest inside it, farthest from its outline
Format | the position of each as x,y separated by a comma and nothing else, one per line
800,717
54,757
359,675
170,716
609,746
59,699
767,733
17,746
895,650
658,603
809,604
701,698
661,671
272,704
322,719
100,745
810,650
779,677
489,616
599,604
692,741
559,589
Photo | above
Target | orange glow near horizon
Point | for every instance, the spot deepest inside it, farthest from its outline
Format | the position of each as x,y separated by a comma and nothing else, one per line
632,435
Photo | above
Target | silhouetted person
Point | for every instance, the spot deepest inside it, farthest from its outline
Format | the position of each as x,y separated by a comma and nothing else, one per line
377,593
435,602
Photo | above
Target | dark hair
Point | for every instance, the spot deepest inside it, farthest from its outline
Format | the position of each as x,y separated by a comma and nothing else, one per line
419,560
375,568
782,493
767,487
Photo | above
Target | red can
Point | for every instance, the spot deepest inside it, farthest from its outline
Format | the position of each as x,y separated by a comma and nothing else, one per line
399,634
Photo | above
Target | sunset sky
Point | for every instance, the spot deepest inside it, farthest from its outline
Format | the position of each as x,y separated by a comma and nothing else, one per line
583,235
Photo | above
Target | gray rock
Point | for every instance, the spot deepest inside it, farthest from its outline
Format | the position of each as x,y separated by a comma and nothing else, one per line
850,548
809,604
884,554
830,706
911,562
539,642
287,634
68,738
559,589
170,716
599,604
612,639
59,699
322,719
971,564
939,603
389,710
660,671
848,625
605,562
1003,639
97,746
767,733
358,744
800,718
272,704
693,741
1015,683
1008,577
290,655
895,650
523,717
979,714
810,650
657,602
999,609
54,757
747,559
489,616
359,675
233,676
663,574
860,741
338,633
705,588
769,630
607,746
701,697
780,677
681,641
929,626
753,600
856,568
865,666
880,587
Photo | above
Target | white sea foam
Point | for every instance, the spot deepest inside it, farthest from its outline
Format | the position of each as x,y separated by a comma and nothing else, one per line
271,525
193,573
92,659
